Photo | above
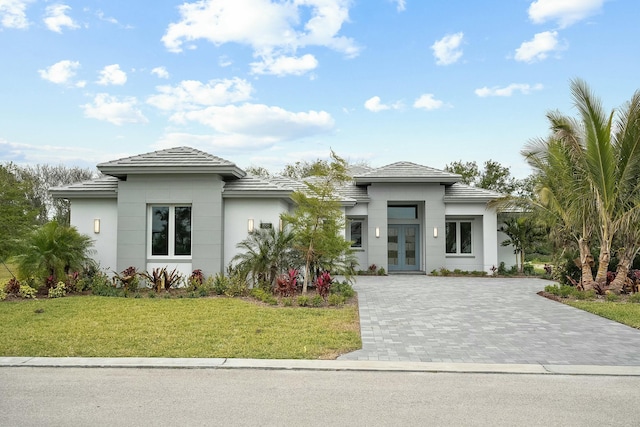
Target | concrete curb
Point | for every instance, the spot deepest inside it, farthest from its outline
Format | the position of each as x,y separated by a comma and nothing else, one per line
314,365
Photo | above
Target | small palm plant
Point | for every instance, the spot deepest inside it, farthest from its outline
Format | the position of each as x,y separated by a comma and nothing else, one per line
53,250
266,254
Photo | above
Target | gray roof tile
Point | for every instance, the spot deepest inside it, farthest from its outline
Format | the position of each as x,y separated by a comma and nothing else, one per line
407,172
102,187
172,160
252,185
461,193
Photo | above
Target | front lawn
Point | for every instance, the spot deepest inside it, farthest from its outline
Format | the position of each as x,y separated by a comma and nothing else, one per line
626,313
92,326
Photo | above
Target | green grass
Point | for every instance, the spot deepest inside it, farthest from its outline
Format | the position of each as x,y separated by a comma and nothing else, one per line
92,326
626,313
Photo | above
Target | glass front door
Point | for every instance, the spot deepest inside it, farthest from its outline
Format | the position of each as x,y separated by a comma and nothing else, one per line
403,247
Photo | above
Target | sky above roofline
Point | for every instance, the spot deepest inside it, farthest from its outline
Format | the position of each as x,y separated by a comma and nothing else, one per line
268,83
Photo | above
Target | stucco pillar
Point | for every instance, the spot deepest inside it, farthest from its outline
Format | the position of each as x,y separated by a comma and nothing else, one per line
490,239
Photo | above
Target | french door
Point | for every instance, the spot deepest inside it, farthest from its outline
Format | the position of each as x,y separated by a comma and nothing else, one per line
403,247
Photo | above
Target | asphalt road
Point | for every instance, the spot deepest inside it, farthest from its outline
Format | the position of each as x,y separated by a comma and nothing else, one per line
252,397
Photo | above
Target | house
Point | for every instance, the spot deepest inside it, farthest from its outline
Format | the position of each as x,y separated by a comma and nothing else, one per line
185,208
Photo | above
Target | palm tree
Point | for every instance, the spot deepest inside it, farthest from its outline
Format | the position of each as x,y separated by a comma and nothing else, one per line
627,222
523,232
594,185
266,254
53,250
559,179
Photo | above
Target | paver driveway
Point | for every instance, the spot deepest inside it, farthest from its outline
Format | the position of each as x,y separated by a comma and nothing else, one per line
482,320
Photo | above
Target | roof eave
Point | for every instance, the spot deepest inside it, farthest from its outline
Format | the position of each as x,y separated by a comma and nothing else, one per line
83,194
239,194
122,171
405,180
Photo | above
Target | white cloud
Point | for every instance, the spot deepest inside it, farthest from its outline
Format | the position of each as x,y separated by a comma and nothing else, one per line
61,72
224,61
284,65
112,75
56,18
447,50
273,29
375,104
538,48
401,5
192,94
52,154
110,109
565,12
525,89
428,102
217,142
13,13
258,120
161,72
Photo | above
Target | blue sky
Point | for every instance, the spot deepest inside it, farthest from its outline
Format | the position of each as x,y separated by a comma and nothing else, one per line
267,83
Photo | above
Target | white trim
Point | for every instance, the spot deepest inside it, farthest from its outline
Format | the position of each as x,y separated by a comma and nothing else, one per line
171,231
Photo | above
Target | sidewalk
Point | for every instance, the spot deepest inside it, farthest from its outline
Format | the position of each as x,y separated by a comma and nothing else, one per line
315,365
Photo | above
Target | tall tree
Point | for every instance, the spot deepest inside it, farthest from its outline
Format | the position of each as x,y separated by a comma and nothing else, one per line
17,214
523,232
318,221
493,176
41,178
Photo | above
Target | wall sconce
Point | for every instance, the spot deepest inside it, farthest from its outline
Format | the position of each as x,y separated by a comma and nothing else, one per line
250,225
377,232
281,225
435,232
96,225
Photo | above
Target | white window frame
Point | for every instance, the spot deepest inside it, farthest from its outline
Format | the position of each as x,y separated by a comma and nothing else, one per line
171,231
457,222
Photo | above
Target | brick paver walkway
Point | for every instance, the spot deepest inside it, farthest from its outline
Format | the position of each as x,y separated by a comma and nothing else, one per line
482,320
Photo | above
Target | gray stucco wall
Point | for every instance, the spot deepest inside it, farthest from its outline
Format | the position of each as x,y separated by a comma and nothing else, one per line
202,192
431,215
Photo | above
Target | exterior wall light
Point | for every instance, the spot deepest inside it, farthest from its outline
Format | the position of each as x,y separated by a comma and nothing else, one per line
435,232
250,225
377,232
96,225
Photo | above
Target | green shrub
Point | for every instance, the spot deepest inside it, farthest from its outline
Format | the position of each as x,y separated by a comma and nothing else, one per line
381,272
611,297
27,291
552,289
566,291
237,286
584,295
303,300
344,289
434,272
59,291
336,300
635,298
444,271
513,270
287,301
220,284
502,270
317,301
528,269
105,289
151,294
263,295
478,273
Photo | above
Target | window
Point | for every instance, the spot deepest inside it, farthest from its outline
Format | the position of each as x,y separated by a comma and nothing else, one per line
170,230
458,237
355,228
402,212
